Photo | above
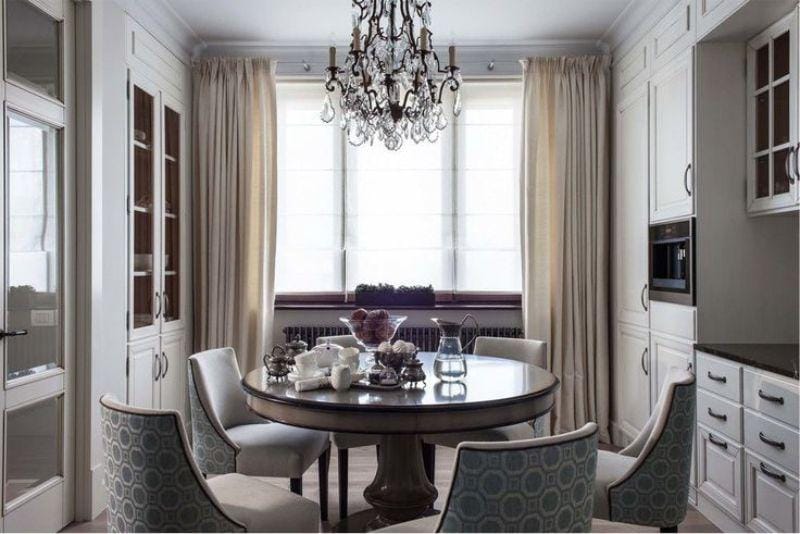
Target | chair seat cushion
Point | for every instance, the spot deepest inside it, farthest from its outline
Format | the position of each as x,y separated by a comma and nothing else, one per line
350,440
610,467
276,450
262,507
503,433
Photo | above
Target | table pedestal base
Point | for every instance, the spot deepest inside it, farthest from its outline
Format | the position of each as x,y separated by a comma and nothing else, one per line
401,490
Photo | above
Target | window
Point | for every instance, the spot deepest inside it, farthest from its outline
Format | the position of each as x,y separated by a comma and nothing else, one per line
445,213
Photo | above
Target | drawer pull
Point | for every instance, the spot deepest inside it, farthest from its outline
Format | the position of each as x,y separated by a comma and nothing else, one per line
777,444
716,378
770,398
720,416
717,442
772,474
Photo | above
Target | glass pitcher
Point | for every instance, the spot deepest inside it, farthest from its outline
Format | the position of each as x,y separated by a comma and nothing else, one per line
449,364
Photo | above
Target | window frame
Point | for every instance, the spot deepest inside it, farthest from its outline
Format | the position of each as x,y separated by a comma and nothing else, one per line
445,299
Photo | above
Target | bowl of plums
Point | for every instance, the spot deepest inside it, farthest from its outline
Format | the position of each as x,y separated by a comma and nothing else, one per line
371,328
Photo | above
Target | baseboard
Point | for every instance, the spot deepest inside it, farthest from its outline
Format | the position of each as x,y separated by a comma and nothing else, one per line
717,516
99,497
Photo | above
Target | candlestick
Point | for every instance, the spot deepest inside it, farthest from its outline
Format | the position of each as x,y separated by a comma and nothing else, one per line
332,56
452,51
357,39
423,39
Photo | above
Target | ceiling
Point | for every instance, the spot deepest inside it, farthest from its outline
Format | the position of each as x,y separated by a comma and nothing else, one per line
473,22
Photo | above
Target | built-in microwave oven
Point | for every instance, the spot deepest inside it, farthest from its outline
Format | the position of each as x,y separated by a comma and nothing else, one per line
672,262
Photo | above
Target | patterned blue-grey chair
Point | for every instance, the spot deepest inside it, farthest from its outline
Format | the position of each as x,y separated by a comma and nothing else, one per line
533,485
229,438
154,484
531,351
344,441
647,483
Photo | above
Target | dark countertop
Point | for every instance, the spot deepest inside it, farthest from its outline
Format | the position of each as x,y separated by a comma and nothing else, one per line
777,358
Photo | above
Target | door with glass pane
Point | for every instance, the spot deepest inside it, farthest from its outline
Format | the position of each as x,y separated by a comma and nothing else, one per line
144,298
36,436
772,118
172,215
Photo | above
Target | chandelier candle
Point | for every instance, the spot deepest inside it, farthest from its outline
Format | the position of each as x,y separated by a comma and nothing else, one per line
392,83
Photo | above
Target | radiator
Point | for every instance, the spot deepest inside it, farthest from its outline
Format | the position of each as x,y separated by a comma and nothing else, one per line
426,338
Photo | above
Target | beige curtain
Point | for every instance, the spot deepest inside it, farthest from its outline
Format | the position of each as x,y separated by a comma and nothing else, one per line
565,235
235,183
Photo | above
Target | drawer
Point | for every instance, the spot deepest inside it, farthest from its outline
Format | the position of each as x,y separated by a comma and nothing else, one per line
673,319
771,497
719,471
719,376
771,397
774,441
720,415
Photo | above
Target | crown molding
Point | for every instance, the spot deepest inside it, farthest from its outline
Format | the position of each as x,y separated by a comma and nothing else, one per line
165,24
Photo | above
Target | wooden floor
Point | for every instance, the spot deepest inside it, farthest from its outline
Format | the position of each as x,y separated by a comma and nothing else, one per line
362,469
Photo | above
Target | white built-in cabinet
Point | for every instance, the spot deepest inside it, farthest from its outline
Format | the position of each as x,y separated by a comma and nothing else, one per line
710,13
772,119
157,224
631,378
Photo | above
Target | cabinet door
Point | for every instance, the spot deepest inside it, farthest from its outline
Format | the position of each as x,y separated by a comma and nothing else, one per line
631,380
631,209
719,471
772,497
173,372
712,12
144,373
671,138
666,353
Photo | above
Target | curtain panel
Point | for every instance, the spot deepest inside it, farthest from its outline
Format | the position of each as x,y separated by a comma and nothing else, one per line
565,229
235,205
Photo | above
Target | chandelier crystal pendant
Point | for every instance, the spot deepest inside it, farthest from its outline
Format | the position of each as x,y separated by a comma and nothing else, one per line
392,82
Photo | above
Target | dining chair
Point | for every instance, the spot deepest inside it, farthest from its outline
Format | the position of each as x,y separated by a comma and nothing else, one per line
154,484
647,483
229,438
532,485
344,441
529,351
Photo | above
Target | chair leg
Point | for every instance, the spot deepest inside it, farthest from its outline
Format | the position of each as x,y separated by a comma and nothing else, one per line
324,464
343,459
670,529
296,485
429,461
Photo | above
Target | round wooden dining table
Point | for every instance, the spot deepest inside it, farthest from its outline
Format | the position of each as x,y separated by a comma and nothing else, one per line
495,392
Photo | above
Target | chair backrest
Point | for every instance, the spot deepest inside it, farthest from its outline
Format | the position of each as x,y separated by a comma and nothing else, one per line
530,351
153,484
343,341
533,485
218,382
662,469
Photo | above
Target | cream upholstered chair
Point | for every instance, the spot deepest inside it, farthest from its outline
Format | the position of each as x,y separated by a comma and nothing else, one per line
346,440
647,483
529,351
154,484
228,438
533,485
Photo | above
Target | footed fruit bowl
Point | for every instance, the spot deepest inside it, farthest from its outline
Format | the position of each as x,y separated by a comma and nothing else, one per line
373,328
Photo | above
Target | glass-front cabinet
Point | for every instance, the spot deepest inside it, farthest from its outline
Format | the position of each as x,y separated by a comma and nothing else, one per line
772,64
156,214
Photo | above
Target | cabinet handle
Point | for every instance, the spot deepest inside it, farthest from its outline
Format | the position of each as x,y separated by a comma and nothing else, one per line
772,474
796,163
644,353
717,442
777,444
716,378
13,333
766,397
720,416
166,365
641,297
686,179
158,304
156,368
787,164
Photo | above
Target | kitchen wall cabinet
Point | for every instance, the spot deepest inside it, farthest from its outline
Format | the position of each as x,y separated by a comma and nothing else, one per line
710,13
772,118
671,140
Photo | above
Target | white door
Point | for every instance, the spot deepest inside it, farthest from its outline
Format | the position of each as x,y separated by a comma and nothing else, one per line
630,252
144,373
36,325
173,372
631,379
671,138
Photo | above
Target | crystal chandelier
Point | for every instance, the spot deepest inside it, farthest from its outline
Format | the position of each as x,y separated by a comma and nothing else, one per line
392,82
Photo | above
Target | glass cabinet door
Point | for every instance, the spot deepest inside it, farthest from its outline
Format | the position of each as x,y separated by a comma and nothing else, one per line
144,297
172,212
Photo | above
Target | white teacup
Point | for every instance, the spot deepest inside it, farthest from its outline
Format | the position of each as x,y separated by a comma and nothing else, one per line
306,364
